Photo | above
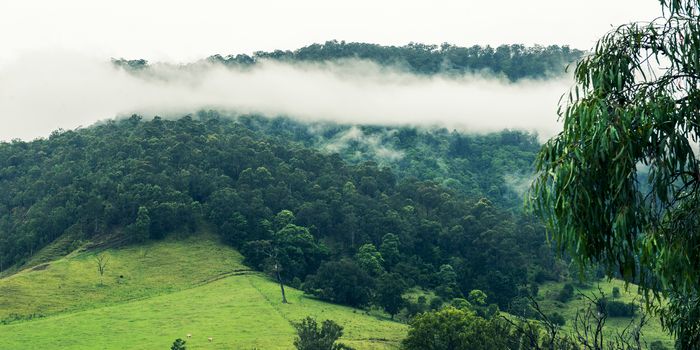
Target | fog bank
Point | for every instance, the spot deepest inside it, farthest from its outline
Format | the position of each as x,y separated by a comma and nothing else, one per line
45,91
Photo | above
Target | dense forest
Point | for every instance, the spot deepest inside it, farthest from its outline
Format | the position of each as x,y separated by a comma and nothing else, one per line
512,61
324,220
496,165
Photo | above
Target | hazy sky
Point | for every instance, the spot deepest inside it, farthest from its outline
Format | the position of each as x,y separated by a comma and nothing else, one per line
70,90
55,70
177,30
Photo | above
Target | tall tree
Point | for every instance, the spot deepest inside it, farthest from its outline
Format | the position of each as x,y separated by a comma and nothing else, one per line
142,227
291,249
620,185
390,289
369,259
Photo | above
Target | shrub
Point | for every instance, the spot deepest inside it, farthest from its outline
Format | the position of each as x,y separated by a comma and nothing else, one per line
657,345
523,308
557,319
540,276
342,282
616,292
460,303
436,303
178,344
621,309
455,329
311,337
614,308
566,293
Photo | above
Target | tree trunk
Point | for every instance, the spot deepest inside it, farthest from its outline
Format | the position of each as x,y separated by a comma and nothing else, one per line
279,279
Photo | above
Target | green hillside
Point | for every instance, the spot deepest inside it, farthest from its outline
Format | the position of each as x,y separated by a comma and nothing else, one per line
149,179
152,294
548,301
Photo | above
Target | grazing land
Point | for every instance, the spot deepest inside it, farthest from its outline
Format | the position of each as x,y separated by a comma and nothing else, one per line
548,300
152,294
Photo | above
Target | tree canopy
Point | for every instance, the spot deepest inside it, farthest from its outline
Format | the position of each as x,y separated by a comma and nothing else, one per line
455,329
280,202
514,62
620,185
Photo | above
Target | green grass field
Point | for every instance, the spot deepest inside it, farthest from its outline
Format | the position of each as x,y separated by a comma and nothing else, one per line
547,299
154,293
150,295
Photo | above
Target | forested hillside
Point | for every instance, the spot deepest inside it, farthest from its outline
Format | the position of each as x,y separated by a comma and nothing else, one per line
326,220
350,213
512,61
496,165
408,223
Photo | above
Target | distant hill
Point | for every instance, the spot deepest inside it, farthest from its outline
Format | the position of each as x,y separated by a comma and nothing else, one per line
514,62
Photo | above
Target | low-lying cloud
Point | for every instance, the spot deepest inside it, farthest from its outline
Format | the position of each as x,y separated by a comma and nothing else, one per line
373,143
45,91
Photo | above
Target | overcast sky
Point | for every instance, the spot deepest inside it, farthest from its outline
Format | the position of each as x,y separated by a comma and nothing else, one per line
55,71
176,30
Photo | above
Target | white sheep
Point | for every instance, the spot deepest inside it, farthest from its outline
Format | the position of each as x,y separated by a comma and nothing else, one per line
210,339
189,335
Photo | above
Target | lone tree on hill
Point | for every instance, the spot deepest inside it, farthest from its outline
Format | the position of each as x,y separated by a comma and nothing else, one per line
271,253
620,185
290,249
389,295
101,259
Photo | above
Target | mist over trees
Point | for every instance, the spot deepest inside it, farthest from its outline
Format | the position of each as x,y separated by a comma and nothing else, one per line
515,62
496,165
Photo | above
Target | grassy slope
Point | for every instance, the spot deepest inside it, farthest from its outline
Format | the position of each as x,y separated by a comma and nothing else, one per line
169,289
72,283
548,293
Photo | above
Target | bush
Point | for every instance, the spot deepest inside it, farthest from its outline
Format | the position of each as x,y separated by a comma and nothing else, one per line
540,276
436,303
534,289
657,345
311,337
523,308
461,304
415,308
621,309
342,282
455,329
557,319
617,308
178,344
566,293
